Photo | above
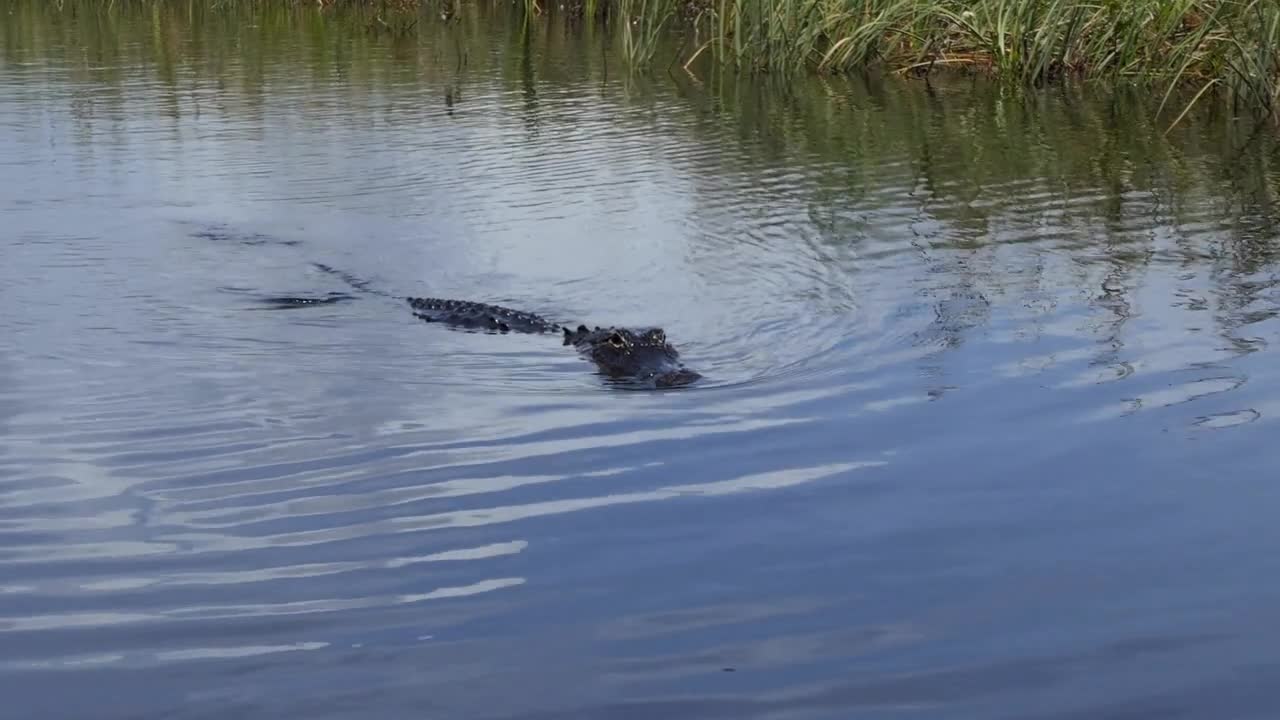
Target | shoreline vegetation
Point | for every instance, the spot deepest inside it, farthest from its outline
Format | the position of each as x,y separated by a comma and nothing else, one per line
1184,51
1229,48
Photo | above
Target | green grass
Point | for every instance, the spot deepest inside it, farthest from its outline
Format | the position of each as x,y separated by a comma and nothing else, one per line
1183,50
1220,46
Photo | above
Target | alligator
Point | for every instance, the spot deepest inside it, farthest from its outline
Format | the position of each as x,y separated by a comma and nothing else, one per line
637,356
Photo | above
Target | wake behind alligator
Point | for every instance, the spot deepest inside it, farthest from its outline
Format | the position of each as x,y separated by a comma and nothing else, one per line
636,355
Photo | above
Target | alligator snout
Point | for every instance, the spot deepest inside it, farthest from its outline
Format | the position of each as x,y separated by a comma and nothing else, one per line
677,378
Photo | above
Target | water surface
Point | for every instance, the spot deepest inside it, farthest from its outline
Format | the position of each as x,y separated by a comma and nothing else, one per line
984,432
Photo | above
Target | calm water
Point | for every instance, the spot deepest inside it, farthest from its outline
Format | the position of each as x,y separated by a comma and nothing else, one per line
987,429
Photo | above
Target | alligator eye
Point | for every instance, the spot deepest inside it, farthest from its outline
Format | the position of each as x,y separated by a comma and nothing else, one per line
617,341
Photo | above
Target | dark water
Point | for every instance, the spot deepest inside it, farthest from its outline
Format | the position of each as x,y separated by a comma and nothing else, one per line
987,427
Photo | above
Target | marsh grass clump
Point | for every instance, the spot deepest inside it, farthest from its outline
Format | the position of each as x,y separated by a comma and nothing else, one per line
1230,46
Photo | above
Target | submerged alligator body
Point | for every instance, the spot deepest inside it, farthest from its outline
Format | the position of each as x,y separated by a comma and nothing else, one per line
636,355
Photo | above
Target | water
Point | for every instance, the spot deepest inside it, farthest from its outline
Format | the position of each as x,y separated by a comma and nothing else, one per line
985,429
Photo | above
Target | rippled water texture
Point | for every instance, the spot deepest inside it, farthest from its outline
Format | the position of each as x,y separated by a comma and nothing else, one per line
986,428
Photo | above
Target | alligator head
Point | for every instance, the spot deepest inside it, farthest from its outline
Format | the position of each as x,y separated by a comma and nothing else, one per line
638,355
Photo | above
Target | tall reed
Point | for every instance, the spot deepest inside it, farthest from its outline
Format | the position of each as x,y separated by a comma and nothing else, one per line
1231,46
641,24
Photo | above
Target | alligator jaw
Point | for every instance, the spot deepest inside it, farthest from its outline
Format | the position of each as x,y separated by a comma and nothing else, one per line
677,378
674,379
667,373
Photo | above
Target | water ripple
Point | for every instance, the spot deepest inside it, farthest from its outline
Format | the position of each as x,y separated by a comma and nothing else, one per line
947,337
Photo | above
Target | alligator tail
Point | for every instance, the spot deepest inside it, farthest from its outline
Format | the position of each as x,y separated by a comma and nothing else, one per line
353,281
296,301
